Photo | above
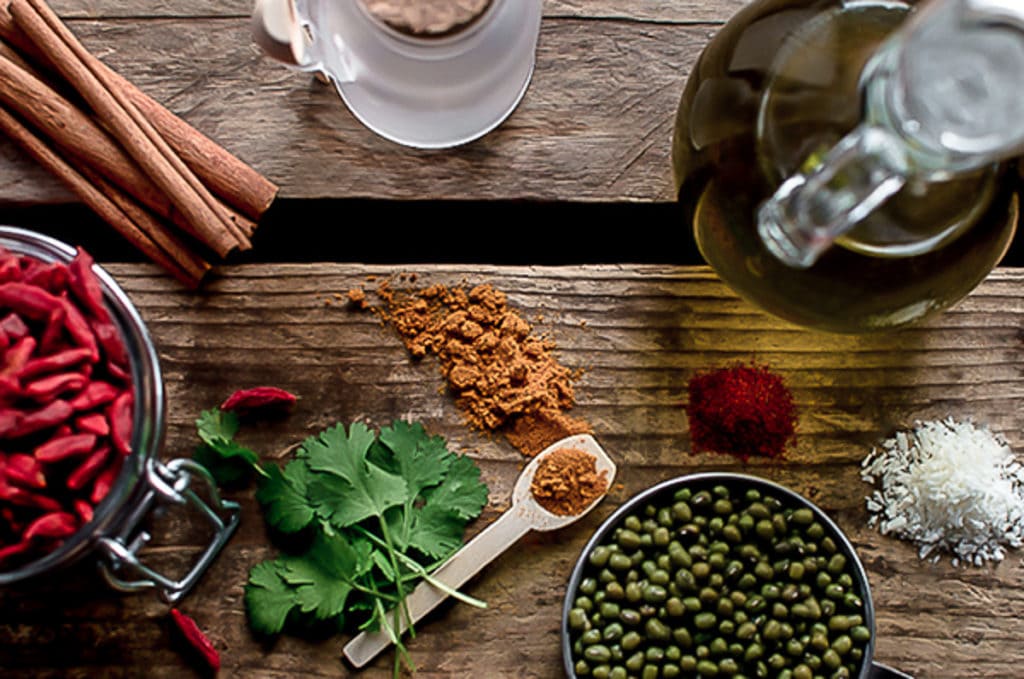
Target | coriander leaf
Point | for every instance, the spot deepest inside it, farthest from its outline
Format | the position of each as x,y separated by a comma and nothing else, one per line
283,496
461,491
226,471
420,459
365,489
268,598
436,531
217,430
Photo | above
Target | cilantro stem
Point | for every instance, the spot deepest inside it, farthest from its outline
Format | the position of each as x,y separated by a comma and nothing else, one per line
392,552
422,572
401,653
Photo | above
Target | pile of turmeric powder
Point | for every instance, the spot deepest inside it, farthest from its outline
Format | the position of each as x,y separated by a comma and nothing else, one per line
503,376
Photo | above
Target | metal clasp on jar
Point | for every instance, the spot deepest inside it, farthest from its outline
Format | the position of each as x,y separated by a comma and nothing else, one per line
167,484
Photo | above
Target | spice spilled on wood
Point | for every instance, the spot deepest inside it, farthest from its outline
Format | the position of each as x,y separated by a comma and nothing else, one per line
567,482
743,410
504,377
948,486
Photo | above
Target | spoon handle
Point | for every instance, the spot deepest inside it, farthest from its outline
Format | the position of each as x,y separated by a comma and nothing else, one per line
454,572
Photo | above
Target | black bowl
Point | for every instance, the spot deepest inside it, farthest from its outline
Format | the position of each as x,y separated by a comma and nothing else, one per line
735,482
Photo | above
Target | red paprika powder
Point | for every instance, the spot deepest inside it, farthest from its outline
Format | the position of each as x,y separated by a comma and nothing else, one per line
742,410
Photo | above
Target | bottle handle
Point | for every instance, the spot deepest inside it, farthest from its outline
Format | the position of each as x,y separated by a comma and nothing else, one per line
808,212
276,28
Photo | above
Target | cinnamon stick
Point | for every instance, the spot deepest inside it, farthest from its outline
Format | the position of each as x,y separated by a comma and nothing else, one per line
77,135
130,128
183,266
235,182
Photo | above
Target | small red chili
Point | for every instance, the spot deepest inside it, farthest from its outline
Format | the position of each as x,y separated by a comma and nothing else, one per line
196,639
258,398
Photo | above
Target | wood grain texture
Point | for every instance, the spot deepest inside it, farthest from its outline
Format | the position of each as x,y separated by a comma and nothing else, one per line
638,333
595,124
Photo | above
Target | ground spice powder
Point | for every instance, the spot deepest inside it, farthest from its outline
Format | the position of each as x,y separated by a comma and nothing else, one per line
503,376
567,481
742,410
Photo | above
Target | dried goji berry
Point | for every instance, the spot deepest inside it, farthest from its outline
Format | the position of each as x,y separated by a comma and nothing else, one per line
84,285
120,417
62,447
83,509
25,470
105,481
54,362
95,394
53,333
55,525
15,423
258,398
93,423
85,472
13,327
49,387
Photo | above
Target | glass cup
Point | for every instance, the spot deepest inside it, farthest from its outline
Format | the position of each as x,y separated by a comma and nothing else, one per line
145,483
425,92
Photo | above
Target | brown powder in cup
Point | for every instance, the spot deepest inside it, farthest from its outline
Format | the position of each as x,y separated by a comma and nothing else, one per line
567,482
504,377
427,18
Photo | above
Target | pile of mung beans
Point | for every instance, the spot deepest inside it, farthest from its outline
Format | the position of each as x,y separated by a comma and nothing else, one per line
718,582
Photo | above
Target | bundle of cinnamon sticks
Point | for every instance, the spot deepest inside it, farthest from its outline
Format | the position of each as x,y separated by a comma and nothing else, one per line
172,192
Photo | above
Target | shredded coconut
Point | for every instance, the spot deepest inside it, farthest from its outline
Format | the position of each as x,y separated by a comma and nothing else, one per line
948,486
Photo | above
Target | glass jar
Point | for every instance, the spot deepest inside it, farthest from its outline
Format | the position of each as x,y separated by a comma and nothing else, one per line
115,532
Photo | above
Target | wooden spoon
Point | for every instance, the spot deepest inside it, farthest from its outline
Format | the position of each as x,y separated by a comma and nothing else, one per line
524,515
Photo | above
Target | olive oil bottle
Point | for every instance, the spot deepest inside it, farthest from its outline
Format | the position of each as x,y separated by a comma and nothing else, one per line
777,89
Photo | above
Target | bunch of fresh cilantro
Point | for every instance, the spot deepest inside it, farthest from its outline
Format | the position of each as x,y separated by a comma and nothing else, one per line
375,513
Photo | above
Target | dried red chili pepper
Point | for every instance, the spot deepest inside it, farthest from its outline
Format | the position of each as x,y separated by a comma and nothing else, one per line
743,410
62,447
25,470
49,387
54,526
88,470
120,417
95,394
196,638
246,401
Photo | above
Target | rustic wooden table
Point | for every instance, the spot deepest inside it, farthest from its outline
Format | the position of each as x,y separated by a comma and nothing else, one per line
594,126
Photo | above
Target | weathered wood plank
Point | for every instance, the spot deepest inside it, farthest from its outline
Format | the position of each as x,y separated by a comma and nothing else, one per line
595,124
664,11
638,333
